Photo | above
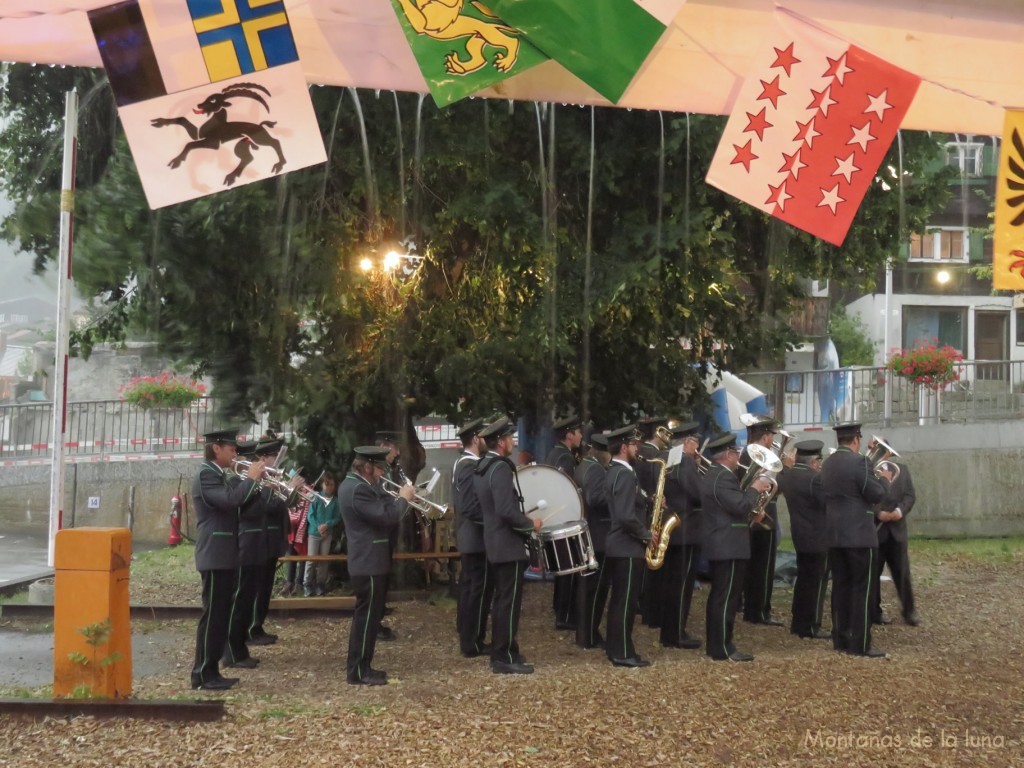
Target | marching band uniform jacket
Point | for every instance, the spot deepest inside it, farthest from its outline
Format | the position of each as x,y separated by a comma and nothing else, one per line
217,501
682,496
850,489
900,493
369,516
591,478
469,520
253,544
560,457
726,514
805,499
506,526
628,534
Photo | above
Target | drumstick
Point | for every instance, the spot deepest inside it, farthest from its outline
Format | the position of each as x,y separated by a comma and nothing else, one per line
541,506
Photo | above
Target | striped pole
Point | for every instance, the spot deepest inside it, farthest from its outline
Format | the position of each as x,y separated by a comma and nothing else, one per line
60,366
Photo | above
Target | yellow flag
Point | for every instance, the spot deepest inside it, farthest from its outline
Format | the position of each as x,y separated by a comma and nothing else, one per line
1008,250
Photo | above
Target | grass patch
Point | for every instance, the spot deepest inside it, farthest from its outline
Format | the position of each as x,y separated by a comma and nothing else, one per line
295,710
168,566
18,598
46,692
1004,550
368,710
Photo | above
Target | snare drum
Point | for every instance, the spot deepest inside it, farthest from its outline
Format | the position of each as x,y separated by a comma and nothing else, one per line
566,548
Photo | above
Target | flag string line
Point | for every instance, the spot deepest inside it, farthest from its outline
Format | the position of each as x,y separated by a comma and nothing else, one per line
789,14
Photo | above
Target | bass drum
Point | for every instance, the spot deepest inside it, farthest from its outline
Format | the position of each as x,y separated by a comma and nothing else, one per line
549,495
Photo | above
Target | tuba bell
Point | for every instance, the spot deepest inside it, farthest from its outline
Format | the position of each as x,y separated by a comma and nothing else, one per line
765,465
879,455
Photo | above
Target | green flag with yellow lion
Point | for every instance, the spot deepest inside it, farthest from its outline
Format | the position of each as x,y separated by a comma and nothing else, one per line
462,47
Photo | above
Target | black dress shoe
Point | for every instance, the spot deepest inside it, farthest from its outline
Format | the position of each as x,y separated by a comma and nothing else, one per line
474,654
912,619
215,684
882,620
771,621
249,663
687,642
262,640
740,656
379,674
632,661
385,633
367,680
504,668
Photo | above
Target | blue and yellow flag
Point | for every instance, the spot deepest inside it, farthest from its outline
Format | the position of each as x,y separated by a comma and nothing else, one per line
1008,242
242,36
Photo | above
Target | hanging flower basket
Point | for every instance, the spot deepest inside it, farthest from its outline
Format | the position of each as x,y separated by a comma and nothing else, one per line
165,390
928,365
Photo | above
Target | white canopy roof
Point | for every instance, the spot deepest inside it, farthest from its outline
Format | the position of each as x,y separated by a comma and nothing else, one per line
969,52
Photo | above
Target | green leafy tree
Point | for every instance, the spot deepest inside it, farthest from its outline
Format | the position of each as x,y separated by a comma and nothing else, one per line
533,294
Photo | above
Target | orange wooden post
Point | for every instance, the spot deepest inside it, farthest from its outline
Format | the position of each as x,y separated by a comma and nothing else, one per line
92,638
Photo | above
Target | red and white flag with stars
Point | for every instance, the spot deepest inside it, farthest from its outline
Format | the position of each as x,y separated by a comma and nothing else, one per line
810,127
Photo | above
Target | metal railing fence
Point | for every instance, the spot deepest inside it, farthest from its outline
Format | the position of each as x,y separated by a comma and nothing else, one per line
985,390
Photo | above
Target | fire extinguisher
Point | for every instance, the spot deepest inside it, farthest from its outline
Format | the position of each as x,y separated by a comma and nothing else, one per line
174,537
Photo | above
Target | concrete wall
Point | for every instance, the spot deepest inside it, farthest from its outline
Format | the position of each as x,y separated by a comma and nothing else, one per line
968,478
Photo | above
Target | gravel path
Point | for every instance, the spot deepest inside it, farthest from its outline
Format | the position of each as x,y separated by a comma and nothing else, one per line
950,693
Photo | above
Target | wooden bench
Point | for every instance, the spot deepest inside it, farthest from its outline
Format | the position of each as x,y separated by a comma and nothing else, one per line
343,603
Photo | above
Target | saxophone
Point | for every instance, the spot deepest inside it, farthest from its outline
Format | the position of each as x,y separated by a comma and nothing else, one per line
660,531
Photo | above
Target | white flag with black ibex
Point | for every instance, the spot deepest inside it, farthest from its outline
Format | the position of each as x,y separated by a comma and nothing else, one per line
210,98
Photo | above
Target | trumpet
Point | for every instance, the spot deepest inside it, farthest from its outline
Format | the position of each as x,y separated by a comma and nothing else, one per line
277,481
879,454
766,465
703,462
429,509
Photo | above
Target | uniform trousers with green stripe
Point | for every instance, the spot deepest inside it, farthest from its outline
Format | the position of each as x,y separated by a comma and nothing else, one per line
809,592
508,604
723,600
626,573
680,574
243,608
370,592
852,599
218,589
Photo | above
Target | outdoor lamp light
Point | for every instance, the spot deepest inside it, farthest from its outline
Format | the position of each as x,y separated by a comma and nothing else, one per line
942,276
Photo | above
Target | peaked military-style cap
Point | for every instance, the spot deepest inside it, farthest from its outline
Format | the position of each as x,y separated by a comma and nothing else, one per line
568,424
809,448
500,428
228,436
374,453
723,441
624,434
268,445
685,429
599,440
848,429
247,447
470,428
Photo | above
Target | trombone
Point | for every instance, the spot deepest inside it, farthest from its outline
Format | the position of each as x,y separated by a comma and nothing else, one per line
879,455
429,509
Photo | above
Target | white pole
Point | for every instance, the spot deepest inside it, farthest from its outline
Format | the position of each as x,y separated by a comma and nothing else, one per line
887,411
60,365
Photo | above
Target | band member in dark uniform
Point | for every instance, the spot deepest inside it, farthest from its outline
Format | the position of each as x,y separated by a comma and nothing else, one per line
727,509
369,516
764,542
656,440
217,499
851,488
591,478
276,525
805,499
476,588
408,526
682,498
506,528
569,434
252,562
891,527
628,537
